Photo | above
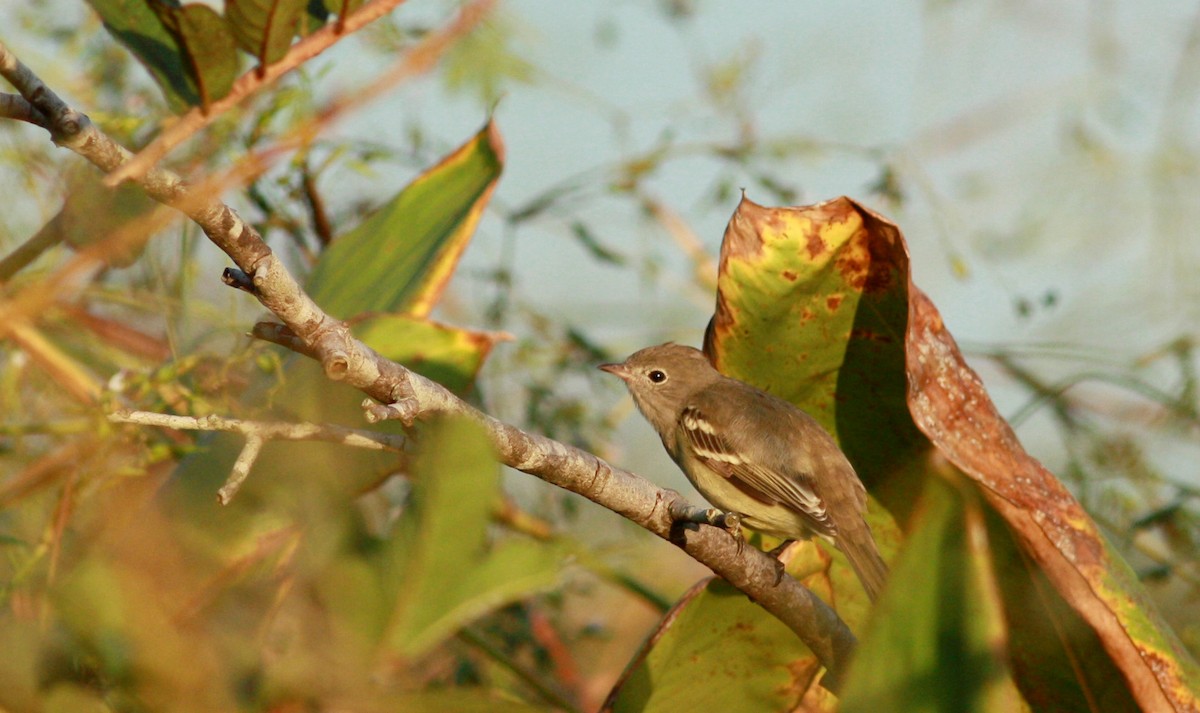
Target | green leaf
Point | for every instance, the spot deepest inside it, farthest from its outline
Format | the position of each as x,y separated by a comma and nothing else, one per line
92,212
342,8
207,47
460,701
449,574
400,258
938,644
449,355
265,28
716,651
135,24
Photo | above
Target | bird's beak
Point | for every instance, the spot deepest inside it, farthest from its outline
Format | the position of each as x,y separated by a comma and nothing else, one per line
617,370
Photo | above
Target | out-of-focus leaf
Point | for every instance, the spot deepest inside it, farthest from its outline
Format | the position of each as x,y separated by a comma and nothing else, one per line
938,644
716,651
68,373
400,258
209,50
817,305
19,676
449,355
116,610
91,212
342,8
265,28
448,572
135,25
485,61
597,249
460,701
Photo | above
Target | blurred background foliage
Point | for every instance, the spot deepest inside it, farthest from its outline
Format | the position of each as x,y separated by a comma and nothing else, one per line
1042,162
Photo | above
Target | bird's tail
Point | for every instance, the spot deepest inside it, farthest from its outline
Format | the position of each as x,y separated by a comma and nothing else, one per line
859,547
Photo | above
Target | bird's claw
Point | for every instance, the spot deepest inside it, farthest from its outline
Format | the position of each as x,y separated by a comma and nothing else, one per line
776,554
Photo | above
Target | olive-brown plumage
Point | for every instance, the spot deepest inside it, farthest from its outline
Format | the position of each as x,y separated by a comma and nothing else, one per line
749,452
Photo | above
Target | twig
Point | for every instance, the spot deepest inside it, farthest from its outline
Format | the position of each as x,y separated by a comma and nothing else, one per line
241,469
257,433
268,430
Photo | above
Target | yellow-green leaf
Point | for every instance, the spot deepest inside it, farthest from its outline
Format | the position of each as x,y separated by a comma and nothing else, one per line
400,258
938,643
448,573
716,650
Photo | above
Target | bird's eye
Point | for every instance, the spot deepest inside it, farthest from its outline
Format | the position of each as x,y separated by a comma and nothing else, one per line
657,376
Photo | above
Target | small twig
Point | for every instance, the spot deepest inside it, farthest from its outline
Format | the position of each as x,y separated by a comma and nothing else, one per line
241,469
316,205
277,333
267,430
238,280
257,433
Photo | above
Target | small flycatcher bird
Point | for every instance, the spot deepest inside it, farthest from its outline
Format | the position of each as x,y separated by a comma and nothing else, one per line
752,453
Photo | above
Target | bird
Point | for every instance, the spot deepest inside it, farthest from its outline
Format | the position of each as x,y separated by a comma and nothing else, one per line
754,454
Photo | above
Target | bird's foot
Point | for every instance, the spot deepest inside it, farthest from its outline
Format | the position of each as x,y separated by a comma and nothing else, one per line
777,553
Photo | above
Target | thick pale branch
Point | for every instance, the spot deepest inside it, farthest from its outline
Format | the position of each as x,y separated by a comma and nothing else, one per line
405,395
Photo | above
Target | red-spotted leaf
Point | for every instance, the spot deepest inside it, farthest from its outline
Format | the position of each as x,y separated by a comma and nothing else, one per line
817,305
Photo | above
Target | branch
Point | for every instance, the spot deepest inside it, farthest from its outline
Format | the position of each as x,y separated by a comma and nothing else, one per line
397,392
15,107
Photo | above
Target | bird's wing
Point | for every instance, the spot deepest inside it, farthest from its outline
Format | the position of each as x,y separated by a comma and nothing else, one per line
761,480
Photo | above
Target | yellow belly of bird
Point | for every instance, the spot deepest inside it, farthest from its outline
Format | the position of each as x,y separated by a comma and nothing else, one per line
768,518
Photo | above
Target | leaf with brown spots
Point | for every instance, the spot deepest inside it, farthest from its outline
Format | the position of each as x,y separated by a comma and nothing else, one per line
816,304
